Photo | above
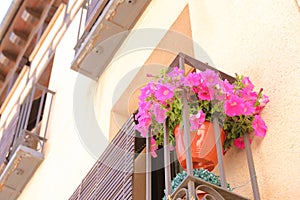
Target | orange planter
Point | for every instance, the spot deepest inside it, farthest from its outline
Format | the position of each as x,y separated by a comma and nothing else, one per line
203,146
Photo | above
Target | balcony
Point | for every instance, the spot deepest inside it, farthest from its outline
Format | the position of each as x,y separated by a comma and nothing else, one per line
104,26
22,141
142,179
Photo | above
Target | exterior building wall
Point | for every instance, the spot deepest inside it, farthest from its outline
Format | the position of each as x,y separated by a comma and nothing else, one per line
258,39
67,160
262,41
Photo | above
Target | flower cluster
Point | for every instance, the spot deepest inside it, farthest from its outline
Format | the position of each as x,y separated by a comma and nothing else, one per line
236,105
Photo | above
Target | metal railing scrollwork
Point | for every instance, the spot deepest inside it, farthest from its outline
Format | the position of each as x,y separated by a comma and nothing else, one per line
187,189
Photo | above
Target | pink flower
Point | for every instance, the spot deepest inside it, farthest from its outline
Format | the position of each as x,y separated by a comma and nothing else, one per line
192,79
163,93
153,147
248,84
160,113
145,106
248,95
262,103
248,108
227,87
144,119
197,120
234,106
210,78
204,93
171,148
146,91
239,143
143,130
176,72
264,100
259,126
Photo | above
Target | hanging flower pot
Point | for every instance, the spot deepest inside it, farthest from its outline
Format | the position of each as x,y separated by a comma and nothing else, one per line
236,104
203,146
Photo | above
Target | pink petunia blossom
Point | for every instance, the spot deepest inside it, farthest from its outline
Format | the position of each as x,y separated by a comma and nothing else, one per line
262,103
163,93
234,106
143,130
239,143
204,93
263,100
248,95
145,105
143,126
248,108
153,148
259,126
146,91
248,84
160,113
175,73
197,120
171,148
227,87
144,119
192,79
210,78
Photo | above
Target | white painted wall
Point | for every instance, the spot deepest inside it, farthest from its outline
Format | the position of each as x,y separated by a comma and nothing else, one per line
259,39
255,38
131,57
67,159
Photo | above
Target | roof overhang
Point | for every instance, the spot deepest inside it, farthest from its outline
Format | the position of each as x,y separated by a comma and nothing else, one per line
21,28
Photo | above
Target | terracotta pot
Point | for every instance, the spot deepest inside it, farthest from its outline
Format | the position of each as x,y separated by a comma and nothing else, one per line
204,154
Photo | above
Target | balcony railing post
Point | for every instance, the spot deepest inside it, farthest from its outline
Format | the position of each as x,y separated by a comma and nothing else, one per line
252,172
148,165
31,98
186,126
23,111
18,126
47,118
219,151
167,160
39,112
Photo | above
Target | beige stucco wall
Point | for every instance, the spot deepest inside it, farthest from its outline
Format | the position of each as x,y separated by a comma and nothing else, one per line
67,160
259,39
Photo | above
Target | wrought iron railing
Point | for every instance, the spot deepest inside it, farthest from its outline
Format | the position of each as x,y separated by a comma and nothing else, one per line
191,184
23,124
105,180
89,12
